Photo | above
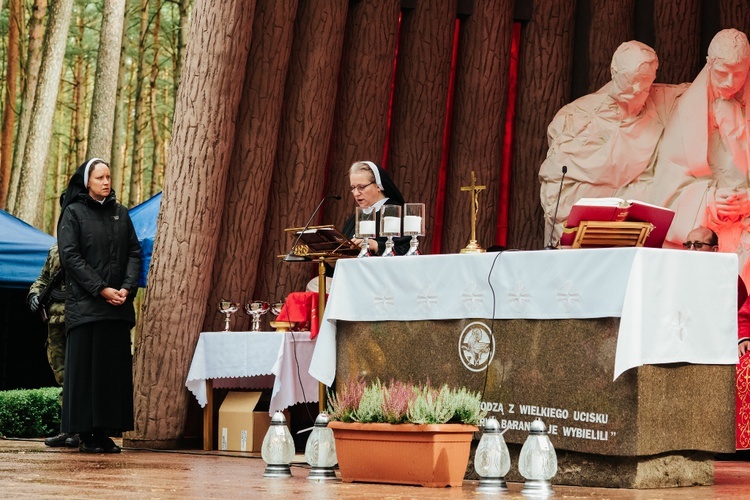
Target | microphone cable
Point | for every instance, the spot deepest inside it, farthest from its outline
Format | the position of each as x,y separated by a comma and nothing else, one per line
492,322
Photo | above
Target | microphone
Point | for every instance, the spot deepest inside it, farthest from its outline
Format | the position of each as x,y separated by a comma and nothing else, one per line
550,246
291,257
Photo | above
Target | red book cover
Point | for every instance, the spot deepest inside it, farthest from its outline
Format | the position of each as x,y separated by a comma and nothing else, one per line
617,210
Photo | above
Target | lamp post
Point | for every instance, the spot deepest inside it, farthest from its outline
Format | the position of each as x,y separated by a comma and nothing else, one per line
320,450
537,462
278,448
492,459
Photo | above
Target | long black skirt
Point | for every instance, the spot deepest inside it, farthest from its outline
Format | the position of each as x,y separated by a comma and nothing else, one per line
98,381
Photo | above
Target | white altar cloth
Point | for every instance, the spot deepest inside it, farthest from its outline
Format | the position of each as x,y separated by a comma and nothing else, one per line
675,306
255,360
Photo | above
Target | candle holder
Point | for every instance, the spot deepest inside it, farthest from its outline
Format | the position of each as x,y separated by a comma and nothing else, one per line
364,228
414,225
320,450
492,459
227,307
277,450
538,461
390,226
256,309
279,326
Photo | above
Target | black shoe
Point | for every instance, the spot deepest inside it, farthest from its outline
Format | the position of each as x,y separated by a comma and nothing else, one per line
109,446
91,447
60,440
72,441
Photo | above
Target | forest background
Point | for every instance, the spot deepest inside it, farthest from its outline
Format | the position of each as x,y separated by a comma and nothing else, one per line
58,108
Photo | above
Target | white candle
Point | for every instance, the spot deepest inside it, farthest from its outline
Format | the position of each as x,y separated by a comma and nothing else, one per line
391,225
412,224
367,227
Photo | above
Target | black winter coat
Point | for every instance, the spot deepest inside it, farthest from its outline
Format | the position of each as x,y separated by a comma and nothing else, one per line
98,249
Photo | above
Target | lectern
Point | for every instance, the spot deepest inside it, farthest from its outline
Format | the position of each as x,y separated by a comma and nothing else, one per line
322,244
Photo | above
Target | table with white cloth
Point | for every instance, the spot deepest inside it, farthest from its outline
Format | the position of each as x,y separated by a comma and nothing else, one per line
252,360
582,338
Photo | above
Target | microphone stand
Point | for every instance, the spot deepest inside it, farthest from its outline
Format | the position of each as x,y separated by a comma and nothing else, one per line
291,257
550,246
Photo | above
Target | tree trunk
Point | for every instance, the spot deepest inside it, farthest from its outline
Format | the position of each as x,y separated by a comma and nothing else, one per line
611,25
120,120
139,119
79,94
306,118
420,103
252,166
33,60
478,119
677,27
156,137
361,121
33,173
102,119
543,88
182,34
9,115
734,14
190,218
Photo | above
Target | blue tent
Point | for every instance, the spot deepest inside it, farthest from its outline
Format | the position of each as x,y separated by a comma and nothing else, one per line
144,220
23,250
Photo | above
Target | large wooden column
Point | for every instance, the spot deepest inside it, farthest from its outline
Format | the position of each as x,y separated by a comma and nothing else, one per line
543,88
360,123
252,166
734,14
677,28
478,118
305,133
420,103
191,211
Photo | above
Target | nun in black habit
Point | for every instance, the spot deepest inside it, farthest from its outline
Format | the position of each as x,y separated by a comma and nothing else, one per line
101,256
372,187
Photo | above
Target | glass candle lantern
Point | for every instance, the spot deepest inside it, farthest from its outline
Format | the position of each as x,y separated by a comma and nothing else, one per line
277,450
390,226
492,459
537,462
320,450
414,225
364,228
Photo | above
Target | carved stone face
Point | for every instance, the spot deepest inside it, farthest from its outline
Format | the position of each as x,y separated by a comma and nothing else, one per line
727,78
631,88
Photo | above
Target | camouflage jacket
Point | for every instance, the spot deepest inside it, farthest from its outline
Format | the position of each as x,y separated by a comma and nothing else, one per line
56,304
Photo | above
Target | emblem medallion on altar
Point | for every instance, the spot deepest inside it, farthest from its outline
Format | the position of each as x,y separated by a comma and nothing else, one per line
476,346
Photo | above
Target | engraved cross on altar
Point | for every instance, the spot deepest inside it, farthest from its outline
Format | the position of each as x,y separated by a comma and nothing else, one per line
473,246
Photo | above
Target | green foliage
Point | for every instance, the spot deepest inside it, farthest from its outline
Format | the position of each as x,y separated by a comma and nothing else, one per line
30,413
399,402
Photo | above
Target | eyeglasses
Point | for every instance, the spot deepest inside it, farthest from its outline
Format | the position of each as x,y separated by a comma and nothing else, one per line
360,187
696,244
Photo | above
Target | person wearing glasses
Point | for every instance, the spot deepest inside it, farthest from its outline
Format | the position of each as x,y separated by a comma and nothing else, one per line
372,187
702,239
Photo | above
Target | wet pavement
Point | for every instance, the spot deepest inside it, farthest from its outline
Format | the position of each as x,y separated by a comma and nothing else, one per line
28,469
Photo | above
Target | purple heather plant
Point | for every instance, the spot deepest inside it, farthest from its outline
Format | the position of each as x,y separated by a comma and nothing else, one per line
345,400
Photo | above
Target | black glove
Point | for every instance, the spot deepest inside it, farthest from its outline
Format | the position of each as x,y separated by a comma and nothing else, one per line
34,303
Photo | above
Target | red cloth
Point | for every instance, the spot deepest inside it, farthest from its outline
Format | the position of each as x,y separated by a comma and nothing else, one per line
302,308
742,403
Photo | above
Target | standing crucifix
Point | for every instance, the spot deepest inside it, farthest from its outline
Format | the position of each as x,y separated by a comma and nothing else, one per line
473,246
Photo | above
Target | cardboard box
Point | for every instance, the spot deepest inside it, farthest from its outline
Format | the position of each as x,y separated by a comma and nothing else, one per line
241,427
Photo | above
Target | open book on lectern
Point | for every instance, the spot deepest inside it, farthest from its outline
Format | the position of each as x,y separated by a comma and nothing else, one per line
322,241
619,210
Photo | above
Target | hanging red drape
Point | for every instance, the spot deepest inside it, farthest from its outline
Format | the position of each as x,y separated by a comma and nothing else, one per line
503,207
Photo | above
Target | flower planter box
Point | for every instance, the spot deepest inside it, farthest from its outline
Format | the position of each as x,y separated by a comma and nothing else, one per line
433,455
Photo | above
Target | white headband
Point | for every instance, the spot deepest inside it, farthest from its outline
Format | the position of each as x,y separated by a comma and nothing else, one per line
376,173
86,170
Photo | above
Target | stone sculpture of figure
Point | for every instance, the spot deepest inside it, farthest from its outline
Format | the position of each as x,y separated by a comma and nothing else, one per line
607,139
702,171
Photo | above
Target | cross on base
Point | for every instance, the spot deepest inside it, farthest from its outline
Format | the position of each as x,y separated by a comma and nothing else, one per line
473,246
